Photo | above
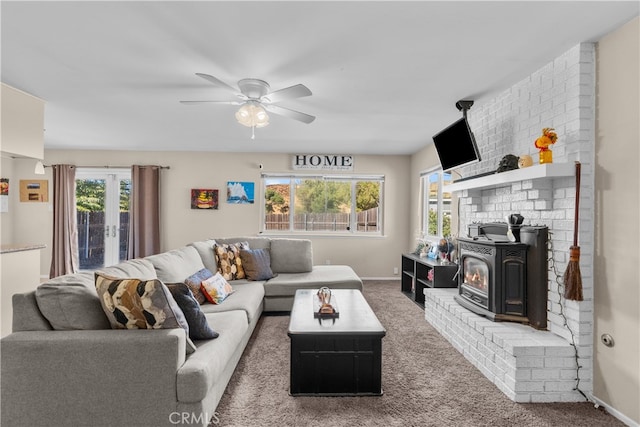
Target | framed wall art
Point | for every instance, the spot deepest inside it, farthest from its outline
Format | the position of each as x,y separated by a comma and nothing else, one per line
35,190
240,192
4,194
204,198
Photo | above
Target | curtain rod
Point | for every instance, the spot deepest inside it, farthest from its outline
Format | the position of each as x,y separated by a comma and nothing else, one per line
114,167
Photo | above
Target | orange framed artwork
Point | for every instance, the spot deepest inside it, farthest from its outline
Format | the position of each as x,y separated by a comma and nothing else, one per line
34,190
203,198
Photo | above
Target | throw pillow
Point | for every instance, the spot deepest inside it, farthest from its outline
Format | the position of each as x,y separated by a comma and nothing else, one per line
195,280
256,264
228,260
140,304
216,289
199,329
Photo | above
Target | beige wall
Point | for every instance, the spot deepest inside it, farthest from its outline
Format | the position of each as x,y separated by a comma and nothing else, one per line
369,256
22,131
617,216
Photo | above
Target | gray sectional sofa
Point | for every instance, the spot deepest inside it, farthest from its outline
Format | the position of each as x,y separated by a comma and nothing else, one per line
63,365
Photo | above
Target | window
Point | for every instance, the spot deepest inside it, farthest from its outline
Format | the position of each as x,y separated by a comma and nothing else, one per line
323,204
435,204
102,205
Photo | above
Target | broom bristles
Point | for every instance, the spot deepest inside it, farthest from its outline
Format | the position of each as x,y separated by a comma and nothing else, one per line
572,276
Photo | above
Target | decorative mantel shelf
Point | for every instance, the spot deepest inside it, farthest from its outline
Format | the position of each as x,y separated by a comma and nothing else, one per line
551,170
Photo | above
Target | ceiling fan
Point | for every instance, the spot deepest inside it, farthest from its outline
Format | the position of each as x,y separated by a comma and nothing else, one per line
255,98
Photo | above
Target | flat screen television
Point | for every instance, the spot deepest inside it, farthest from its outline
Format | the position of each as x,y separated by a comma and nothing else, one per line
456,145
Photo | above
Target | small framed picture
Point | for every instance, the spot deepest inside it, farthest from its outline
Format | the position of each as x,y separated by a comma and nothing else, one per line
240,192
36,190
204,198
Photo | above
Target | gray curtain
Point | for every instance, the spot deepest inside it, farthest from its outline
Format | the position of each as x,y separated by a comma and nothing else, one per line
144,212
64,259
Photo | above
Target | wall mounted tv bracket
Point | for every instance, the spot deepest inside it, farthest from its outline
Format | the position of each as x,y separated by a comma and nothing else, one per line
464,105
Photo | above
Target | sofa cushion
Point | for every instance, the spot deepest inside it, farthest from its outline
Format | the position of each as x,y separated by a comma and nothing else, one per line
291,256
71,302
256,264
176,265
228,260
247,296
205,250
216,289
205,367
140,304
253,242
332,276
139,268
199,329
194,283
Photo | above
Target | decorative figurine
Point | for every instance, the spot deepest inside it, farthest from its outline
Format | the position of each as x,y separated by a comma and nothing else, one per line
548,138
525,161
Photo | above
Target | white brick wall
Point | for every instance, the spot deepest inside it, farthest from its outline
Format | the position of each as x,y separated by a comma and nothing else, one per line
560,95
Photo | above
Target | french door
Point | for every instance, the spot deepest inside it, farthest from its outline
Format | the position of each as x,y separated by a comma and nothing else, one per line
102,204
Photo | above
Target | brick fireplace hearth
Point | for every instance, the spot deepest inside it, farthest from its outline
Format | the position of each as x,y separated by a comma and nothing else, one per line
531,365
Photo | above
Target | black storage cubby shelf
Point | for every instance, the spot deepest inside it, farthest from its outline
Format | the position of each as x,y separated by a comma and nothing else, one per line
415,273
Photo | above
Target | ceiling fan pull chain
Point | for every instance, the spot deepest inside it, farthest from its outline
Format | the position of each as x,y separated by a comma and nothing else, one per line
253,132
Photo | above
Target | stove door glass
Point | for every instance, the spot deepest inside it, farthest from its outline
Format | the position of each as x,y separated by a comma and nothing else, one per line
476,273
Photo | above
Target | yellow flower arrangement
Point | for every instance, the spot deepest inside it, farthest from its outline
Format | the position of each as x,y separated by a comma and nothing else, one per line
548,138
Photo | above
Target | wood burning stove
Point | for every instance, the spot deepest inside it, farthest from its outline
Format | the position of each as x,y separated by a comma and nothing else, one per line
497,280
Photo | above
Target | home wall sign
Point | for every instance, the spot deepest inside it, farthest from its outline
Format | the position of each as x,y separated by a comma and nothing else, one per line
36,190
338,162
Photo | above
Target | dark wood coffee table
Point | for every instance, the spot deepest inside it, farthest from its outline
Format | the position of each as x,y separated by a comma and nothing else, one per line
335,356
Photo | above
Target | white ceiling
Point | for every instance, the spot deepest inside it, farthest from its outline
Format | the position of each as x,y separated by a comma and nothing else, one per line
385,76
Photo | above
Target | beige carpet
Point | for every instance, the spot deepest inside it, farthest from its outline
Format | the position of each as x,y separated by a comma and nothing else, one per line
426,382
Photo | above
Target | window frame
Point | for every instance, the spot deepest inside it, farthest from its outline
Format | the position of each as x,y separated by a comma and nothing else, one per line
424,203
353,226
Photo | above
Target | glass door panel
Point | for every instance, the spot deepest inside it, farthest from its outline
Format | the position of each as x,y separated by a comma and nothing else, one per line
90,196
102,202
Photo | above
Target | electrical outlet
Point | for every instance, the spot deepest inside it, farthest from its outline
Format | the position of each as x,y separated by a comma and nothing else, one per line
395,270
328,262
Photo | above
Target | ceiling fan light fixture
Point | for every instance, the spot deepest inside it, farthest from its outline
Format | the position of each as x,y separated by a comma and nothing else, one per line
252,114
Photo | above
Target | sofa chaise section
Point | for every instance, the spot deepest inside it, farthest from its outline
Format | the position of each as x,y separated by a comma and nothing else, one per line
279,291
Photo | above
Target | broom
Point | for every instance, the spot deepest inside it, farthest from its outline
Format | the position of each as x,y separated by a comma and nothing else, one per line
572,276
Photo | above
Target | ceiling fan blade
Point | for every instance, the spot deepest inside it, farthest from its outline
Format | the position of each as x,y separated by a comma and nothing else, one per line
292,114
212,102
217,82
291,92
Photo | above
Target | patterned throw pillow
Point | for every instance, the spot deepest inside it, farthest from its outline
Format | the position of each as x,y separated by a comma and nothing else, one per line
199,329
216,289
228,260
195,280
140,304
256,264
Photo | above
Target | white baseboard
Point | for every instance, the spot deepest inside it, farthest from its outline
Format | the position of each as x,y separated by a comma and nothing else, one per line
614,412
381,278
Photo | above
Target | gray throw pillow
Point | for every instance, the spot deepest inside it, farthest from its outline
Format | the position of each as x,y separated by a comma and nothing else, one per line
199,329
256,264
